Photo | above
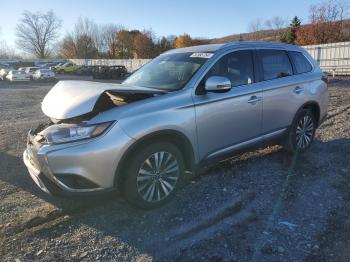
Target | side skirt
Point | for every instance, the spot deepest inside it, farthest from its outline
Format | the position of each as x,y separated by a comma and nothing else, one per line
272,138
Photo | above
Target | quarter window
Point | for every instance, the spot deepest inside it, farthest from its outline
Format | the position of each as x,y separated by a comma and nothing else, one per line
301,64
236,66
275,64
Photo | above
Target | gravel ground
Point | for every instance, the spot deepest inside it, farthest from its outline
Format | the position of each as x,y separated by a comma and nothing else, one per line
264,205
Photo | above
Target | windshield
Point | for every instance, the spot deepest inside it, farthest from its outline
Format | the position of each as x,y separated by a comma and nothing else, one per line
168,72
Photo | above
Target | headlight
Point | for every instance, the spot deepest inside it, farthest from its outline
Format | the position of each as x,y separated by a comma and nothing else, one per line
63,133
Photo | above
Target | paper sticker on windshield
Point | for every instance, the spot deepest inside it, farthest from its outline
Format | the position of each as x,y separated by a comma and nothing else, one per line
202,55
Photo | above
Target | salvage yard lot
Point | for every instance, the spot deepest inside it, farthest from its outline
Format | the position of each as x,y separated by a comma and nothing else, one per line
264,205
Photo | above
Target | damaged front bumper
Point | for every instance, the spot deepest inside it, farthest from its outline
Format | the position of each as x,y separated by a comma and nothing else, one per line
33,172
77,168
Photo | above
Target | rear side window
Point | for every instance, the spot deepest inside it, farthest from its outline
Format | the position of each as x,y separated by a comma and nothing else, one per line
301,64
236,66
275,64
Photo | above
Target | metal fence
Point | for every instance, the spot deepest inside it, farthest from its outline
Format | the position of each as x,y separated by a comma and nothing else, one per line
130,64
333,58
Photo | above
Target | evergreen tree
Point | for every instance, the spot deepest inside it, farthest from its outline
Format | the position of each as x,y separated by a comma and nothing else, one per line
290,35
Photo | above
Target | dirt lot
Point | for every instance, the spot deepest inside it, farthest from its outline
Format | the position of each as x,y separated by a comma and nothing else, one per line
265,205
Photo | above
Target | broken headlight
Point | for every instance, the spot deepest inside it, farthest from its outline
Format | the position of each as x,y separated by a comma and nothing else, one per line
62,133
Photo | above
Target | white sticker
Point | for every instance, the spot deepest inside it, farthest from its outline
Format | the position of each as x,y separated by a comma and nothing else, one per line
202,55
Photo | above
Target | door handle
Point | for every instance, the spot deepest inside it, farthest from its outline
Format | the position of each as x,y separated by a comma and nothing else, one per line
254,99
298,90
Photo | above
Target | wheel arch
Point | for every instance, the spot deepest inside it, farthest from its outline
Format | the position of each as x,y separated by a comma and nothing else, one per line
314,107
172,136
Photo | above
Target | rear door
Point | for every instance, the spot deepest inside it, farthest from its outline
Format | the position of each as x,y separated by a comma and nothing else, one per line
281,92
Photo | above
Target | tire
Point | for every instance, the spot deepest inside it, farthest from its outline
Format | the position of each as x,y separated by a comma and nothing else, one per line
147,187
302,132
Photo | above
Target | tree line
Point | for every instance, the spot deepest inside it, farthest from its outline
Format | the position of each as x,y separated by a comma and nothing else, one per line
37,34
328,23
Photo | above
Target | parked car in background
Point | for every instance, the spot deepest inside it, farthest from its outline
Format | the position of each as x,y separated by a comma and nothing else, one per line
15,75
3,65
22,69
184,110
110,72
44,74
118,72
85,70
67,68
55,67
4,72
49,65
99,72
39,63
30,71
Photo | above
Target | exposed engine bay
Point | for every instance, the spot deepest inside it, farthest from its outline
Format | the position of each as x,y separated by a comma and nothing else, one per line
107,100
76,101
71,103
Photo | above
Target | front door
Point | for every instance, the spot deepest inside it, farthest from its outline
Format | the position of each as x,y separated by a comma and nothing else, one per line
227,119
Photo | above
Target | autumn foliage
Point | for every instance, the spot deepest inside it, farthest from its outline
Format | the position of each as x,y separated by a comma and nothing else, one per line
183,41
327,25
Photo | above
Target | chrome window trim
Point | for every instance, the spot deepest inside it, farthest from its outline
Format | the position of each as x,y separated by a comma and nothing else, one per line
211,62
200,74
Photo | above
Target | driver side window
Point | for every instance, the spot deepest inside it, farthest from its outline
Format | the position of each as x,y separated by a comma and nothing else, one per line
236,66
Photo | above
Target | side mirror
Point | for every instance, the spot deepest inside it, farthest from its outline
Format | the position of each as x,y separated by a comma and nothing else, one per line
217,84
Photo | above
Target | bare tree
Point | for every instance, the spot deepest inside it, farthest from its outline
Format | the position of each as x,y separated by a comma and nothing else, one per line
36,32
255,27
68,47
328,24
328,21
7,52
277,24
109,39
84,41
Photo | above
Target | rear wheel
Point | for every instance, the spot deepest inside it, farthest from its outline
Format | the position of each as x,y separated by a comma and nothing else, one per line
301,133
154,175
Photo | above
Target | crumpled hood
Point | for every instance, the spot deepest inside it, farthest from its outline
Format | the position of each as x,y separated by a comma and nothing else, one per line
69,99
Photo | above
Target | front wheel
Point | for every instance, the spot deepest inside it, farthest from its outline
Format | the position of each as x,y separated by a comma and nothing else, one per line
153,175
302,131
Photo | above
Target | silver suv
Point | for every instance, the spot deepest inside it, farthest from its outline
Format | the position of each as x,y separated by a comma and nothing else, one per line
184,109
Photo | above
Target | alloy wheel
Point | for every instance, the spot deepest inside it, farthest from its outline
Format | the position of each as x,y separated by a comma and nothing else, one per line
304,132
157,176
